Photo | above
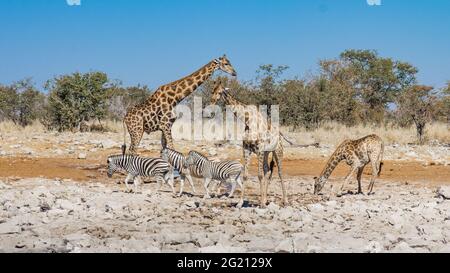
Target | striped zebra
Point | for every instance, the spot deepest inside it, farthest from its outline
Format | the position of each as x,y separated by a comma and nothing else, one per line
137,167
224,171
178,161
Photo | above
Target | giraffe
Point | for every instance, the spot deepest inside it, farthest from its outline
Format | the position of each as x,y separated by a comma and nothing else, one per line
156,112
263,141
357,154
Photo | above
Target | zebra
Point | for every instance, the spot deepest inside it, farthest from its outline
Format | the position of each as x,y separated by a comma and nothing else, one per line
138,167
228,170
178,161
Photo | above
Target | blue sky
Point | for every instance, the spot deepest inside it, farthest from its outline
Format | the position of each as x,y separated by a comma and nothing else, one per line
157,41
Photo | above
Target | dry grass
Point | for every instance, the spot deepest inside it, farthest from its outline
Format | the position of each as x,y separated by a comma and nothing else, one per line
331,133
8,127
334,133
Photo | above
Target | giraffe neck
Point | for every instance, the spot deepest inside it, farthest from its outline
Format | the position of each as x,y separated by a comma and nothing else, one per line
331,165
232,102
189,84
240,109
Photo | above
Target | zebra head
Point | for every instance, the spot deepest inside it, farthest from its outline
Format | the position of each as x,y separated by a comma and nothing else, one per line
165,154
194,158
112,165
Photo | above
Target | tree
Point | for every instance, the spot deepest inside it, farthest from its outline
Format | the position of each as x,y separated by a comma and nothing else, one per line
378,80
21,102
77,98
119,99
415,105
9,100
30,104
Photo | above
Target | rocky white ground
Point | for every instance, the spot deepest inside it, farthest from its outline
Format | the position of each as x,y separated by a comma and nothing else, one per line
64,216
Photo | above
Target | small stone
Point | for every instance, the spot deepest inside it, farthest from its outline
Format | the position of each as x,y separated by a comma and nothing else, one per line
444,192
82,156
374,247
8,228
286,246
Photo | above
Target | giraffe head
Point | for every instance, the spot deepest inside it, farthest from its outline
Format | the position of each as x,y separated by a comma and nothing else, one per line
218,90
319,182
225,65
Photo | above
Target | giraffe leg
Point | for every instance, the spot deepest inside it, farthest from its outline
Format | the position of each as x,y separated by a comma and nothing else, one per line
279,161
358,177
247,156
166,137
375,171
348,177
136,135
262,179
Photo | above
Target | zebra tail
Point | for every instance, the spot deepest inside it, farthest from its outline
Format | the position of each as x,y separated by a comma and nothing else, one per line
124,146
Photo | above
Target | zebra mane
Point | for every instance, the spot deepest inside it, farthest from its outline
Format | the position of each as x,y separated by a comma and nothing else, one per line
199,155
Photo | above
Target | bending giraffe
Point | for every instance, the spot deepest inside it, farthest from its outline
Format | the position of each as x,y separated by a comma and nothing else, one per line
156,113
357,154
261,141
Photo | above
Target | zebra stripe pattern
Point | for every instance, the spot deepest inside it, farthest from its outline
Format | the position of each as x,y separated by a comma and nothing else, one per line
229,170
178,161
136,166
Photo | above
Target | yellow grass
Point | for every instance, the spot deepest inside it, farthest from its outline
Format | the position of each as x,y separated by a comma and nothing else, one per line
334,133
329,133
8,127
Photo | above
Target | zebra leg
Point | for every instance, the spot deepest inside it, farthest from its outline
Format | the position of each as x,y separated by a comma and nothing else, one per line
127,180
205,185
137,182
189,178
233,188
241,185
182,177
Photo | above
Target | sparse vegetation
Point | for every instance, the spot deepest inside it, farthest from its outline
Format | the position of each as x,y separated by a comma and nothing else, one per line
359,89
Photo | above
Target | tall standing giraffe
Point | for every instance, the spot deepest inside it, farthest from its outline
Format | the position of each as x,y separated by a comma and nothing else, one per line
156,113
357,154
263,141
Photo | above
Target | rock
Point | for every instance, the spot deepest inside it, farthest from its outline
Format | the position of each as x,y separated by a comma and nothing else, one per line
286,213
177,238
374,247
28,151
444,192
286,246
65,204
15,146
403,247
273,207
108,144
9,228
82,156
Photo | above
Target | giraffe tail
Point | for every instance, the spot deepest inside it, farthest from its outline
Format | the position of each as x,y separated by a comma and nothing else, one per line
124,146
381,159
